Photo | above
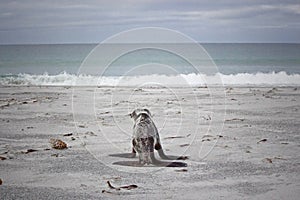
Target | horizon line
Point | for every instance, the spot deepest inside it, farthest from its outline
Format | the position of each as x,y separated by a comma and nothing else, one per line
96,43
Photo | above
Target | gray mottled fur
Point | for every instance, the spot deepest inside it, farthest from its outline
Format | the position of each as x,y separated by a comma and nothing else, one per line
146,138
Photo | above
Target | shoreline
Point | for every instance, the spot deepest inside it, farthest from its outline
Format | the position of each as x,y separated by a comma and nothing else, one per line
170,86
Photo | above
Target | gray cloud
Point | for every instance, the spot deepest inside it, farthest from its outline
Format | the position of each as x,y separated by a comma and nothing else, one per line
26,21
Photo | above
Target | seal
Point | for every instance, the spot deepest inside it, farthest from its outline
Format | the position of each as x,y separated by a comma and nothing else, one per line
146,138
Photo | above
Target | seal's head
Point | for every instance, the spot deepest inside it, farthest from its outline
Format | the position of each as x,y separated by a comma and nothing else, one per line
134,115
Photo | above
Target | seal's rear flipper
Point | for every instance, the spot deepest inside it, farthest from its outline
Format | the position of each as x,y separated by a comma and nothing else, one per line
182,157
176,164
123,155
163,156
164,163
160,164
129,163
170,157
169,164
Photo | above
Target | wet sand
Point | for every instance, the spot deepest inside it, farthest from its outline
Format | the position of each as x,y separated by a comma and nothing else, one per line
249,152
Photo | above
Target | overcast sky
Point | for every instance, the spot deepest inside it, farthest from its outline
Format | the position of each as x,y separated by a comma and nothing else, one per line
73,21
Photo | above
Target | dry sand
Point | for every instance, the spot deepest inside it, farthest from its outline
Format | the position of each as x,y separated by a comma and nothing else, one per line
254,156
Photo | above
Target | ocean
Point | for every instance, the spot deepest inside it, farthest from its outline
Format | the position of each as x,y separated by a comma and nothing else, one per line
237,64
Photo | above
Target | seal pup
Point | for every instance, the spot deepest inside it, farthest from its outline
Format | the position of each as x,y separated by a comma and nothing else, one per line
154,132
145,139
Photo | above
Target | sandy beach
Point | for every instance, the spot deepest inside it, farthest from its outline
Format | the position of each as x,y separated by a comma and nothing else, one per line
243,144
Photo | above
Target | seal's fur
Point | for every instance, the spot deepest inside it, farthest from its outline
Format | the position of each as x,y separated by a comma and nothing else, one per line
146,138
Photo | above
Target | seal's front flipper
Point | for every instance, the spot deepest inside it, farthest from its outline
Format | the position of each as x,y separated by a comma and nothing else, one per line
129,163
123,155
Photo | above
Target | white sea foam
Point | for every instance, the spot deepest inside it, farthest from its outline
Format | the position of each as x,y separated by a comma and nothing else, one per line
241,79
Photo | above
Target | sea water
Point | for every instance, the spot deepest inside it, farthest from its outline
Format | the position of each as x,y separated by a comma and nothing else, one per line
236,64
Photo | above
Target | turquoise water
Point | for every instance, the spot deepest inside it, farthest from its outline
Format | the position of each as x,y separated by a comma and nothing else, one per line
231,59
38,59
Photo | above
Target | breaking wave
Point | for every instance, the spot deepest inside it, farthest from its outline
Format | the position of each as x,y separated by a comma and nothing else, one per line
241,79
